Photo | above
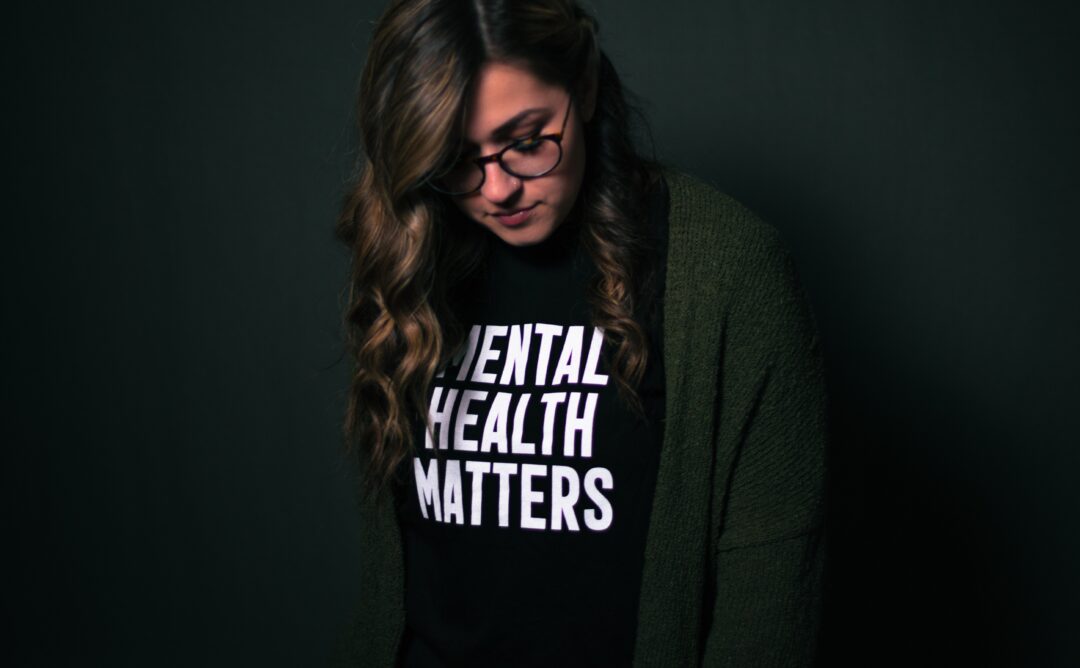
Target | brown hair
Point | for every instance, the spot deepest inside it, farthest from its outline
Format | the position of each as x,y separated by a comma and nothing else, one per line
412,256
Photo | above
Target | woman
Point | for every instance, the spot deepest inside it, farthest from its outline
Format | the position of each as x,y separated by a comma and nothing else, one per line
587,395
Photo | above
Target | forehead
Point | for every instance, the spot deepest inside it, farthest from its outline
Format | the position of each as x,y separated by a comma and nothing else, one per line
501,92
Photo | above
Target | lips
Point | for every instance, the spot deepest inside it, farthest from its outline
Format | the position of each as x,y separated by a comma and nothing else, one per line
515,217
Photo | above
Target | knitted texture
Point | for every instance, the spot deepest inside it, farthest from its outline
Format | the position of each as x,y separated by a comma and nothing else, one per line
733,557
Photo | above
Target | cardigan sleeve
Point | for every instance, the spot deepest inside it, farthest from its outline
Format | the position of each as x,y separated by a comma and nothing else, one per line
770,465
373,637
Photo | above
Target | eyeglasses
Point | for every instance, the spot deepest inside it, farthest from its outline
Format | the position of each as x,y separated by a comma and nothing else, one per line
525,158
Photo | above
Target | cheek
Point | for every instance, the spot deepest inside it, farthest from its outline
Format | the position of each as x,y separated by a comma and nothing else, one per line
468,208
576,158
575,172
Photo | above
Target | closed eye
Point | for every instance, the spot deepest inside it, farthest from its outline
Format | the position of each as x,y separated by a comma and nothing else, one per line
528,145
472,151
525,144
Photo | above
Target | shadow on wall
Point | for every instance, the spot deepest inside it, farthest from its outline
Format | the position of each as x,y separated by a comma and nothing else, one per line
941,549
918,572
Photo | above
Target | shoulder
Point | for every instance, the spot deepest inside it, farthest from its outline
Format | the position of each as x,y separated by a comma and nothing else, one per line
699,209
716,240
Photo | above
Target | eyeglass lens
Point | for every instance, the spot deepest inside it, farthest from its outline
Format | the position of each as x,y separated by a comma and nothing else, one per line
526,159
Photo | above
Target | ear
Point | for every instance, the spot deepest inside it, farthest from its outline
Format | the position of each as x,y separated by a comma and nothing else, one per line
588,86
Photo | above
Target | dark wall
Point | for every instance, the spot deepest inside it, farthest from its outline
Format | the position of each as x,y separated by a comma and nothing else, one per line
173,371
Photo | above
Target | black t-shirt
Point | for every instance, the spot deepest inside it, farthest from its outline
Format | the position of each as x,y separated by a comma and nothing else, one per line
524,513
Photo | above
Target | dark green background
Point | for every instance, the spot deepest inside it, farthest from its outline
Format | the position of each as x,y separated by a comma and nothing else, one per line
172,359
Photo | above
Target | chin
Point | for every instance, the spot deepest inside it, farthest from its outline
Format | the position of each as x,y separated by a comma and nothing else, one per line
528,234
523,237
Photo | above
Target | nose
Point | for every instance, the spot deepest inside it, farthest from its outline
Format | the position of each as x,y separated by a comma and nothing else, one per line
499,186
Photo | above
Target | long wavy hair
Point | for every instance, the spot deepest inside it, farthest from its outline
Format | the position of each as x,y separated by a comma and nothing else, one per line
413,255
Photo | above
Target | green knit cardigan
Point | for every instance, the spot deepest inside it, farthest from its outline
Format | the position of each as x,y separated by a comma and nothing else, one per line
733,557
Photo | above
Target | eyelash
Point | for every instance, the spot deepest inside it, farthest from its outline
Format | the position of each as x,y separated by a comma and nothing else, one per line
531,135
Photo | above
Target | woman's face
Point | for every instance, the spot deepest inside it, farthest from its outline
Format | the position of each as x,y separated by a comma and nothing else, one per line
509,103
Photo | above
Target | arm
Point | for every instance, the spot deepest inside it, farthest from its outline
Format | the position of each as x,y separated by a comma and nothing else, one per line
374,634
768,553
